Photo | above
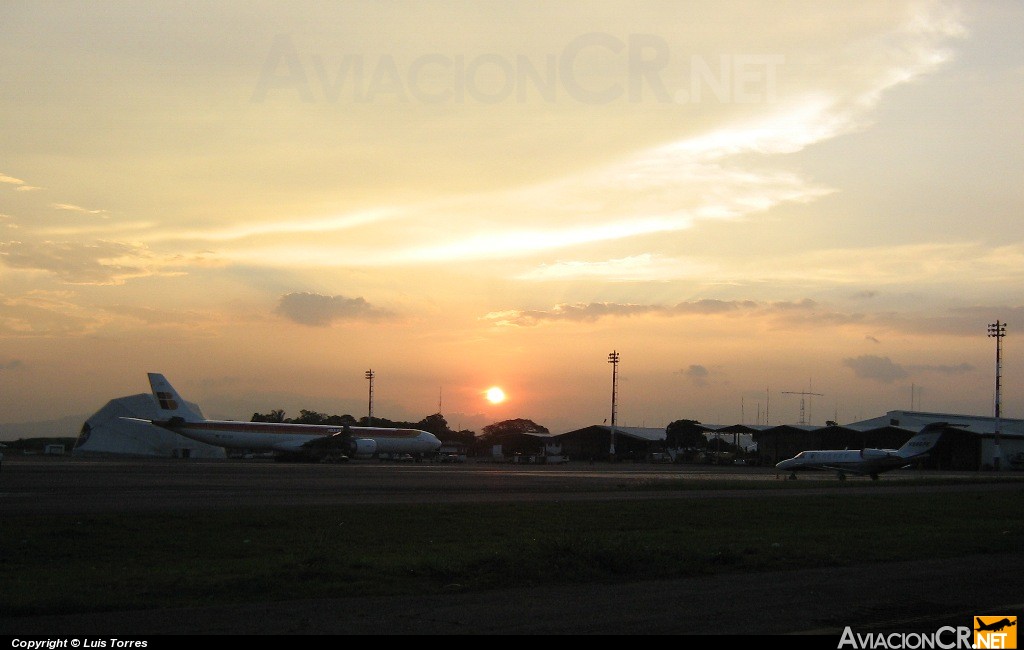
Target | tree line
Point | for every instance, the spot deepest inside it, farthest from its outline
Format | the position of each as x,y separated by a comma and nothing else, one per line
435,424
680,434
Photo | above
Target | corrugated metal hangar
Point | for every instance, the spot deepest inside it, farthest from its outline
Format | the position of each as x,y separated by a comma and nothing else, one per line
969,443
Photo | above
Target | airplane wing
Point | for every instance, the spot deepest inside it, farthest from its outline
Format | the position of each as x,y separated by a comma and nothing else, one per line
327,447
862,469
333,442
838,468
343,443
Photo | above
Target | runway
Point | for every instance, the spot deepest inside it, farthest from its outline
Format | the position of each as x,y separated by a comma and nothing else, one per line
916,595
44,485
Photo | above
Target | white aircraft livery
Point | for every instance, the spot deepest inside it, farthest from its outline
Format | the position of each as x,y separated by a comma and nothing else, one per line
870,462
300,441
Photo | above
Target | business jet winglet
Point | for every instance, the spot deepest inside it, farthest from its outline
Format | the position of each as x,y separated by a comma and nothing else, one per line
286,441
869,462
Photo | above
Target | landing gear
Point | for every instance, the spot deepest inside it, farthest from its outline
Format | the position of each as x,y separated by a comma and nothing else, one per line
842,476
792,476
874,477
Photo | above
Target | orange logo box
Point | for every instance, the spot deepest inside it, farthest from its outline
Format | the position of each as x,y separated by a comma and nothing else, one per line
995,632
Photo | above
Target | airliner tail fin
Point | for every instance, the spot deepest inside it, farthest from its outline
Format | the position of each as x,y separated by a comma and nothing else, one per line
169,403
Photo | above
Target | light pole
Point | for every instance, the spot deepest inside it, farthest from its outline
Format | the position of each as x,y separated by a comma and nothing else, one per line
613,359
369,418
997,330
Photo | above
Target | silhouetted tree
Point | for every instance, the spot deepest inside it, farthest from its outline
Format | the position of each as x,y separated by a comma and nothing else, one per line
384,423
435,424
506,427
310,417
340,420
274,416
685,434
463,437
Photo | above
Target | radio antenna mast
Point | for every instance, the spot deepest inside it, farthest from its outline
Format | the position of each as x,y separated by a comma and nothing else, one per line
803,395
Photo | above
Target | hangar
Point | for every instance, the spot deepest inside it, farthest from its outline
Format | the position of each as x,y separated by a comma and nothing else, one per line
968,444
105,433
593,442
638,443
971,442
787,440
522,446
977,442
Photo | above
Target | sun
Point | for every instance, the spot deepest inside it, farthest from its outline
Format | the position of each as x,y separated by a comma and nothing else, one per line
495,395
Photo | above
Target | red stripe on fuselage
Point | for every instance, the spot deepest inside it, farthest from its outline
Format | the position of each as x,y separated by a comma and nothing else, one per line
296,429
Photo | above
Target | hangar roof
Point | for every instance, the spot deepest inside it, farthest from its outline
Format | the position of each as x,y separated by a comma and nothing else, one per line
915,420
649,434
736,428
911,421
532,434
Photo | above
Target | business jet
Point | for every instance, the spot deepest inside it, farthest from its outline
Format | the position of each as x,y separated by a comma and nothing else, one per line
869,462
286,441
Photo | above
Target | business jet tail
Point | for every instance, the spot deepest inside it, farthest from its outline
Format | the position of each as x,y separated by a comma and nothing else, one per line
169,403
924,441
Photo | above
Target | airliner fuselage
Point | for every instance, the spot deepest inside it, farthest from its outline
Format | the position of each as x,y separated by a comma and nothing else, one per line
290,437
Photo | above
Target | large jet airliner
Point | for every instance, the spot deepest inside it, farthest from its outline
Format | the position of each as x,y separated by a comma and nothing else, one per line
870,462
997,626
298,441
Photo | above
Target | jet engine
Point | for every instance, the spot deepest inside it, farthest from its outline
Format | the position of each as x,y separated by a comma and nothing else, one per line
362,447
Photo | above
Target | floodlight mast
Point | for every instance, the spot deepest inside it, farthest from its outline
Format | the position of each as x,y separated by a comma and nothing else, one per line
997,330
369,418
613,359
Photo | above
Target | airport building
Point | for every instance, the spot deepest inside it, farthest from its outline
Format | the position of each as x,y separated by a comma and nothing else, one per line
969,443
107,433
644,443
594,442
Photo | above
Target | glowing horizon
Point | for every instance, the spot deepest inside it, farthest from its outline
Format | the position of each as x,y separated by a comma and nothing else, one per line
742,199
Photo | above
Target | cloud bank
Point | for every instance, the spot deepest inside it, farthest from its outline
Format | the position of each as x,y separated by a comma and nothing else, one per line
316,310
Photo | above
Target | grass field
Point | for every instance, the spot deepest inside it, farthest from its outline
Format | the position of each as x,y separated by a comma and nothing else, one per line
79,563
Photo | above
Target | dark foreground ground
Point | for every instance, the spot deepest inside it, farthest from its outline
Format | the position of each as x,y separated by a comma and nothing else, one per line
916,596
919,596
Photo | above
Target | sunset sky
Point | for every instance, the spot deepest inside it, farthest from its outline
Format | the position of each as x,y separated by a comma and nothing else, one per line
746,200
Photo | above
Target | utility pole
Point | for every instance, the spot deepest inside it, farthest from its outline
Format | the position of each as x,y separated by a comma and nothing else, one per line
997,330
613,359
369,417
